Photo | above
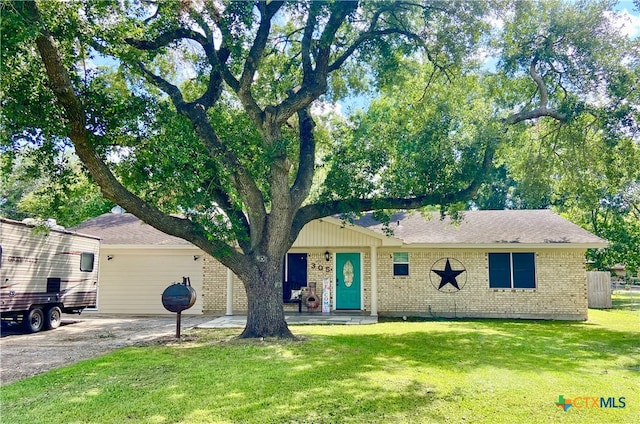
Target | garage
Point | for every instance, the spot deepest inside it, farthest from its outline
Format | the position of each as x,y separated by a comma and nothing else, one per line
137,262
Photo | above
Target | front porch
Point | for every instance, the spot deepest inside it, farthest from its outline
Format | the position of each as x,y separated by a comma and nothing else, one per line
335,318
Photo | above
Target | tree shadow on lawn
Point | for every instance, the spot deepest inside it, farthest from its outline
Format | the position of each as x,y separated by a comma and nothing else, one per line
513,345
626,300
547,346
382,376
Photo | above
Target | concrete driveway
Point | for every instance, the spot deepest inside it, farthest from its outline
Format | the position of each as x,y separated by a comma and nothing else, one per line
80,337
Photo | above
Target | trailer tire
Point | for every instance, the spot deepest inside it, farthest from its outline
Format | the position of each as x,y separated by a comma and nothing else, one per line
33,321
53,318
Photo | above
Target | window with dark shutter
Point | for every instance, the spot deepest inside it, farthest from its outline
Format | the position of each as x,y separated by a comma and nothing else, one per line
512,270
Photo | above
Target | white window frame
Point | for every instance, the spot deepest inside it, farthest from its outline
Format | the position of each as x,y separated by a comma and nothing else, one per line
398,262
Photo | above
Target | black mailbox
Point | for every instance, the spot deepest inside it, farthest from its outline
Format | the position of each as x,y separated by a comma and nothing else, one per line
179,296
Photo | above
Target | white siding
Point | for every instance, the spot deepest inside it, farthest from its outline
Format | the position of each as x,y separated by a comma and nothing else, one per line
330,233
132,281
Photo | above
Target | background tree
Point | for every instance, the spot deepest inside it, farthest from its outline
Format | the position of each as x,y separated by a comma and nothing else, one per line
209,112
69,196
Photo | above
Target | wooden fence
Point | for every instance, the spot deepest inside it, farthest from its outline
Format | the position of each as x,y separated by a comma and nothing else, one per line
599,289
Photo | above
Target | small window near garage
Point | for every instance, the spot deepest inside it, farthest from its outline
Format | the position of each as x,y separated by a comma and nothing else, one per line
401,264
86,261
512,271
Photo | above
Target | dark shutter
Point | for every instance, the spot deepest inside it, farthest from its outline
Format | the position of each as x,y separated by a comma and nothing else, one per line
499,271
524,271
296,274
400,269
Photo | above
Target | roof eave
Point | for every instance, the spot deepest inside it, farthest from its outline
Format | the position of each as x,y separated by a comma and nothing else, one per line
387,240
149,246
507,246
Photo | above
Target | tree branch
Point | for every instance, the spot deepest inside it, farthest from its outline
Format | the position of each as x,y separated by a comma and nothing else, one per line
240,177
214,87
540,111
112,189
167,38
307,156
309,213
314,80
240,224
243,86
307,38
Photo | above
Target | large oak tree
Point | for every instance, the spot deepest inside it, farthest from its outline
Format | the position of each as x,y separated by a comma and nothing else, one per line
206,107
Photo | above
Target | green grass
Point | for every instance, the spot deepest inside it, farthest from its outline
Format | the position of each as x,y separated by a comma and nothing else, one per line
472,371
626,300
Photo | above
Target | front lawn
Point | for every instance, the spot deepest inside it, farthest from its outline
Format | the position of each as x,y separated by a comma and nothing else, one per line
458,371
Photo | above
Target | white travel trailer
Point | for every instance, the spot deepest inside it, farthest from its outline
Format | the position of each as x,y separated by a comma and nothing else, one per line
44,272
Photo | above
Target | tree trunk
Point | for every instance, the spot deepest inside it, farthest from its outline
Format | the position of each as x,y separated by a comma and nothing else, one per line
265,313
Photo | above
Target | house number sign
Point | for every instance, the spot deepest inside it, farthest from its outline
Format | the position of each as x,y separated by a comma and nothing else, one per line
320,267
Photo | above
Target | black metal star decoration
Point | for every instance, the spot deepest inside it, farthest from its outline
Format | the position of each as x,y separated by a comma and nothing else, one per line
448,276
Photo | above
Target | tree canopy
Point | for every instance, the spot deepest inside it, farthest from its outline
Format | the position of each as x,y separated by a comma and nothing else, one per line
208,108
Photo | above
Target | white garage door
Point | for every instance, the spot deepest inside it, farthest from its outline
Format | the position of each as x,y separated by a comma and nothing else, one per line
131,281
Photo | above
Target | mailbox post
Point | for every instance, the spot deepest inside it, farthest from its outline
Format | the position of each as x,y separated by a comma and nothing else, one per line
177,298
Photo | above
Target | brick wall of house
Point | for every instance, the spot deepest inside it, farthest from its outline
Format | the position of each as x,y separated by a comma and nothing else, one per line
215,289
215,283
560,292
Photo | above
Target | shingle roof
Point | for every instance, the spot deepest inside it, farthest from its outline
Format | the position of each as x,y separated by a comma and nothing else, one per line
127,229
497,227
531,227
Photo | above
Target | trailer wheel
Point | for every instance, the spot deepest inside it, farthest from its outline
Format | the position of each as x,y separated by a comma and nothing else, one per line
33,321
53,318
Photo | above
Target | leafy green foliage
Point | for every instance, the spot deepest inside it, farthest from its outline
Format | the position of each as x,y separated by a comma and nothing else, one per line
579,171
412,142
70,197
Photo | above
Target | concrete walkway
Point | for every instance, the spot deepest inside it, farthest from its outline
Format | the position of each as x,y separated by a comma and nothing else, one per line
240,321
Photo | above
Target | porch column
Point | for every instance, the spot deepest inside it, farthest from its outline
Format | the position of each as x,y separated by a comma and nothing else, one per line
229,292
374,280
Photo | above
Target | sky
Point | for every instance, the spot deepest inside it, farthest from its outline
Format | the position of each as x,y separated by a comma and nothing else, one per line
627,9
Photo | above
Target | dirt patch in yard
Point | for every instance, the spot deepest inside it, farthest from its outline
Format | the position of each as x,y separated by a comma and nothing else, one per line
80,337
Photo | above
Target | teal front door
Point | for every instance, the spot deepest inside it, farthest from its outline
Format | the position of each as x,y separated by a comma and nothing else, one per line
348,281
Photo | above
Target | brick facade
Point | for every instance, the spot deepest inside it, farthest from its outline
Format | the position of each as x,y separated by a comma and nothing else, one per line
560,292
